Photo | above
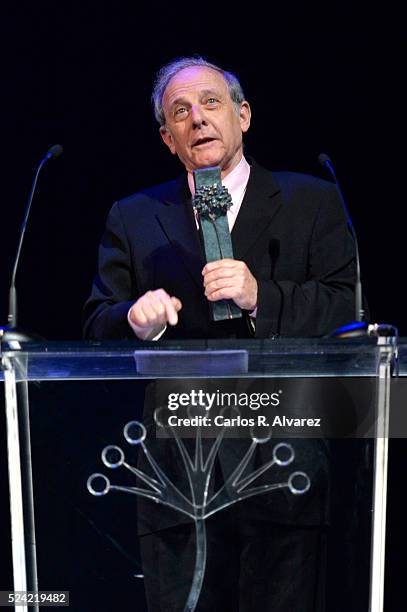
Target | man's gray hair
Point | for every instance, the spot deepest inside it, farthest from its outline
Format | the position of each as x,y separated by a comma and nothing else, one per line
166,73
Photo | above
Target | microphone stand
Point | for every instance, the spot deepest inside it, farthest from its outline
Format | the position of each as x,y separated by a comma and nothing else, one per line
18,423
358,327
11,333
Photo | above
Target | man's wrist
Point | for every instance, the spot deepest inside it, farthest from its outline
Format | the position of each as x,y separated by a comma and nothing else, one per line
144,333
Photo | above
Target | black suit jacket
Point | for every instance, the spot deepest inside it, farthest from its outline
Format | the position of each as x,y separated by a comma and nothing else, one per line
290,231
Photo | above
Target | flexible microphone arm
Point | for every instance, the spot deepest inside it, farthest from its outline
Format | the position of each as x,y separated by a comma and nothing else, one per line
52,153
324,160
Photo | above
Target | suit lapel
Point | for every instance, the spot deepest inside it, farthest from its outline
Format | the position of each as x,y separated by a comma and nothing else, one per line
260,204
176,218
177,221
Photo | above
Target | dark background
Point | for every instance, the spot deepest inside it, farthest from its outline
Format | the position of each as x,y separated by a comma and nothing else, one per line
319,78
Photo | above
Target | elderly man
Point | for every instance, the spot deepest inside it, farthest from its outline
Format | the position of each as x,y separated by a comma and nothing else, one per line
293,274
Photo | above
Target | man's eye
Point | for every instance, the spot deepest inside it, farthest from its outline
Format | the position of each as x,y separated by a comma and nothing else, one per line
180,110
211,101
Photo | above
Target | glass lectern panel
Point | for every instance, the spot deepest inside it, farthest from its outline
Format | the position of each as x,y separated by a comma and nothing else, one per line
204,469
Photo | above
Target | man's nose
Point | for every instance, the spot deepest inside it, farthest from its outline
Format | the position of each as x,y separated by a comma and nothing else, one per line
198,116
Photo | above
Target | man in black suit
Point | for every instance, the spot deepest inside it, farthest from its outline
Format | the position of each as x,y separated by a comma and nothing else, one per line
293,274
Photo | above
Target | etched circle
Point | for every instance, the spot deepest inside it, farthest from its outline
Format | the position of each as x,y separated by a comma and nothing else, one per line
265,437
229,412
134,432
196,410
299,483
161,420
283,454
98,485
112,456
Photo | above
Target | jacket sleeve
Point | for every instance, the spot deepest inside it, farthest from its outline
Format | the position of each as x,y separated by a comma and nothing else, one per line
326,299
114,289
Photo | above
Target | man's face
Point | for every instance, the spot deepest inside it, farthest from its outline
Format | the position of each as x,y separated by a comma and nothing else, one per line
202,126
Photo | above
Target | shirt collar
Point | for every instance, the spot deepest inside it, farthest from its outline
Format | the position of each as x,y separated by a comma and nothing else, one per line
234,182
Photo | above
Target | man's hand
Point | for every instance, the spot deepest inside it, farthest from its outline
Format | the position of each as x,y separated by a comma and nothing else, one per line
230,279
152,312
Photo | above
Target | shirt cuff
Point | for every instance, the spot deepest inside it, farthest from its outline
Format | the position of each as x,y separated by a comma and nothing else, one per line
252,319
137,329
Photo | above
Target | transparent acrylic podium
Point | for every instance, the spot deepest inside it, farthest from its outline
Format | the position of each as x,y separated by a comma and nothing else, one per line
58,363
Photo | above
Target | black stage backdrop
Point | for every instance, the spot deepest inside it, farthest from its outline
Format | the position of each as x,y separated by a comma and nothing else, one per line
324,78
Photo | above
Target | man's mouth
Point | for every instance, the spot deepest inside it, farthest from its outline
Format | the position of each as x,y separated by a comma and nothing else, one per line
203,141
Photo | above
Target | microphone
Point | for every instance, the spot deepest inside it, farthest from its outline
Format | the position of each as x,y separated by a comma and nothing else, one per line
55,151
325,161
52,153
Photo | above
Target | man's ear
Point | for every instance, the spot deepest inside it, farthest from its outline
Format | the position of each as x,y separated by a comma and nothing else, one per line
245,114
167,138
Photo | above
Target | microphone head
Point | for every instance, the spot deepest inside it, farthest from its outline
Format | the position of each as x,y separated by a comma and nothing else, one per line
55,151
323,158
